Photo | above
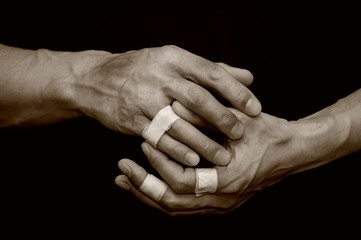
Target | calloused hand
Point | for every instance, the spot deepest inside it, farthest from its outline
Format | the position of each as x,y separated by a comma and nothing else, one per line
125,91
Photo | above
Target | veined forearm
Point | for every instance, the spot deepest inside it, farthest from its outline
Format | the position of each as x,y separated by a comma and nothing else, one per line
331,133
30,91
35,86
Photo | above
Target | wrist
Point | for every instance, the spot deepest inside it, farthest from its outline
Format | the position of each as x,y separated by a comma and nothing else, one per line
65,88
319,140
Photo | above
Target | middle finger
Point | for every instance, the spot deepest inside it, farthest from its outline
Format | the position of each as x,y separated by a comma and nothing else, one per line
187,134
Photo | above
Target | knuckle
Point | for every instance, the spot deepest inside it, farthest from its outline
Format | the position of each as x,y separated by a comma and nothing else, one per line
207,146
169,51
170,203
227,118
196,96
177,150
213,152
216,73
172,55
165,53
241,95
180,185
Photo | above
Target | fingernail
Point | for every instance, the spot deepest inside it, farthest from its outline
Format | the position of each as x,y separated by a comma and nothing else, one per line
222,157
192,159
146,150
122,184
237,131
253,107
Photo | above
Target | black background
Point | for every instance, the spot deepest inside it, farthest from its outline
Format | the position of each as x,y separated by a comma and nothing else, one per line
58,180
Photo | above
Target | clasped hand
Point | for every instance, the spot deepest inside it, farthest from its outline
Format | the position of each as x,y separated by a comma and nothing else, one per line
259,159
125,91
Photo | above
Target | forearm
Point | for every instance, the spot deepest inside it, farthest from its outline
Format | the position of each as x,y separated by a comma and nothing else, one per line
331,133
35,86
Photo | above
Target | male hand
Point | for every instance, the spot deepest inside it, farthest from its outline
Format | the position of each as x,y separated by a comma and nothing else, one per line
125,91
266,153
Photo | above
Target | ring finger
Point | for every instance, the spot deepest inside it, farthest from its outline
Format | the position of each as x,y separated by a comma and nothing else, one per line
183,142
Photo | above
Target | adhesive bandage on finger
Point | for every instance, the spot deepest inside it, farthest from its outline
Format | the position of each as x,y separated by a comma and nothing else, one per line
206,181
161,123
153,187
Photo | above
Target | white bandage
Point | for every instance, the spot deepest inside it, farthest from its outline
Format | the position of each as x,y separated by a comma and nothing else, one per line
161,123
206,181
153,187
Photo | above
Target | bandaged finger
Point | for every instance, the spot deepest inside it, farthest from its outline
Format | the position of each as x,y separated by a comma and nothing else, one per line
153,187
206,181
161,123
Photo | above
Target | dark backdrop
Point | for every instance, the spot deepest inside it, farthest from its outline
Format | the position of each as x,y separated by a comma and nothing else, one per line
58,180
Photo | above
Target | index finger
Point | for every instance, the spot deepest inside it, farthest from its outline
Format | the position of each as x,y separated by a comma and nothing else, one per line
203,103
214,76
